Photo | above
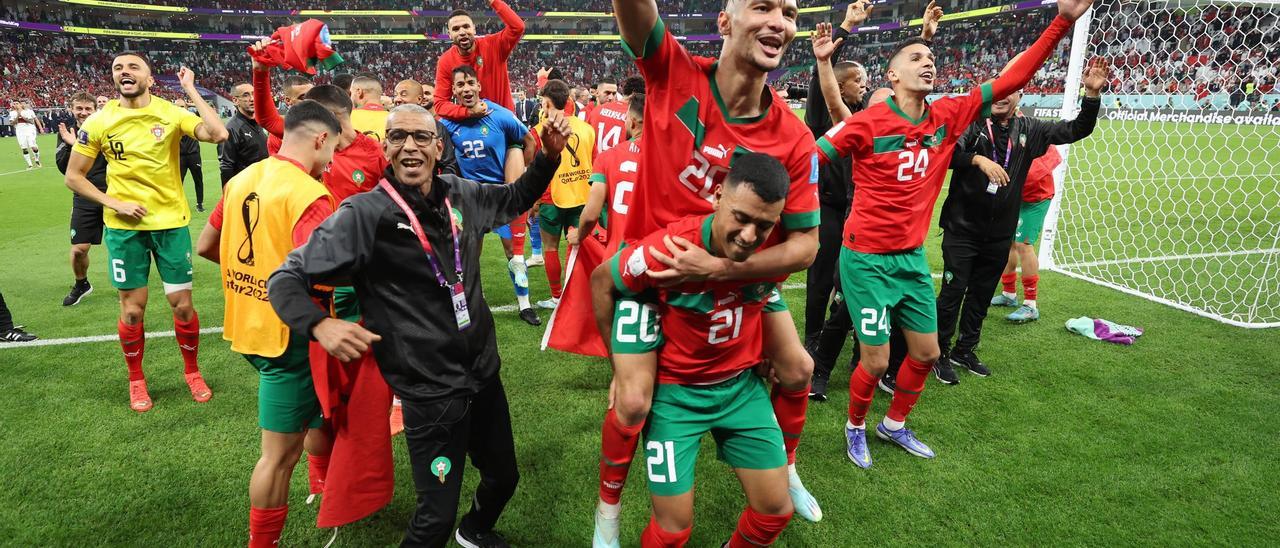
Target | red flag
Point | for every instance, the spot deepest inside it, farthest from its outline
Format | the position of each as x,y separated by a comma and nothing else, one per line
304,47
355,401
572,327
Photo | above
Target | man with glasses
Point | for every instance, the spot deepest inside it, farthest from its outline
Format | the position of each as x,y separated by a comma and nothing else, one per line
247,143
411,247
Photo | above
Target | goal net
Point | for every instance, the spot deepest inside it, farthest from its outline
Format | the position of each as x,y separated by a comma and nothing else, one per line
1176,195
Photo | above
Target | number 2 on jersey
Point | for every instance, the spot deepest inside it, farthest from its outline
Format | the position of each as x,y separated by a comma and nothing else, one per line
914,164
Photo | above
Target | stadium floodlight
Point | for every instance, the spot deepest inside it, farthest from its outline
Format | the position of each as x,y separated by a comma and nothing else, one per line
1176,195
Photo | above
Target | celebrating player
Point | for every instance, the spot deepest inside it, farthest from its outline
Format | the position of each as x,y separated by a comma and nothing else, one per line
609,118
562,205
705,378
140,136
613,181
282,202
25,125
700,116
491,153
487,54
901,151
86,216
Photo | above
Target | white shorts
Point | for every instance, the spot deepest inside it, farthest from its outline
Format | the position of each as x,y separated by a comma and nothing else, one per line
26,136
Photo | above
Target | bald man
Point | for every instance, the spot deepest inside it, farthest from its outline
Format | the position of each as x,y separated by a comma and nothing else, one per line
408,92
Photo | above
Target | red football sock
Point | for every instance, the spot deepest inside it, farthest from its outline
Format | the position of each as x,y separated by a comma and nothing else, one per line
790,407
617,446
552,265
518,228
862,387
655,536
1010,282
188,335
265,526
911,377
317,470
756,529
1029,287
132,341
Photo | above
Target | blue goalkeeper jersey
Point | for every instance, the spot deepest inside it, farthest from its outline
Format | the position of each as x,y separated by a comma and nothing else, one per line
481,143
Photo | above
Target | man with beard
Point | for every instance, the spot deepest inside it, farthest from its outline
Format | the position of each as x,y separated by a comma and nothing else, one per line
140,136
487,54
86,216
247,141
411,247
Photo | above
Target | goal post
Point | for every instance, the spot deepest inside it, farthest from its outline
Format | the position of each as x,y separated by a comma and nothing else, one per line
1176,196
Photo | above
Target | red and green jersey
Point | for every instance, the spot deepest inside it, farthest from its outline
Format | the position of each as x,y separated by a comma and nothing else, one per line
689,142
899,164
354,169
610,122
616,169
712,331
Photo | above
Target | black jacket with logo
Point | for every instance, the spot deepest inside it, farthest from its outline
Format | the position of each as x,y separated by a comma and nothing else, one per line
970,210
370,244
246,145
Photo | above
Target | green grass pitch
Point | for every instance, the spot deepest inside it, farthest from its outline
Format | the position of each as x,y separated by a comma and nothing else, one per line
1071,442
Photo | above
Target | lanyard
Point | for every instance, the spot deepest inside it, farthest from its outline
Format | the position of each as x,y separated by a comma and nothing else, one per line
422,235
1008,150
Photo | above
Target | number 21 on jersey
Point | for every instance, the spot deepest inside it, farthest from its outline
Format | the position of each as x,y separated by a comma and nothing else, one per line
914,164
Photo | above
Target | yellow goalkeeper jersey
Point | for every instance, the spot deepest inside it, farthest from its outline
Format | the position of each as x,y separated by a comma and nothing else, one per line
141,146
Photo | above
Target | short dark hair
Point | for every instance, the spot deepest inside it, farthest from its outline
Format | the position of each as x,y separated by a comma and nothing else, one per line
231,89
330,96
606,80
295,80
311,112
151,68
557,91
768,179
555,74
632,85
82,97
458,13
636,108
914,40
464,69
343,80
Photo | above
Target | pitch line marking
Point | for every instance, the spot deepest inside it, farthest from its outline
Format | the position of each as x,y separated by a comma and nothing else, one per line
96,338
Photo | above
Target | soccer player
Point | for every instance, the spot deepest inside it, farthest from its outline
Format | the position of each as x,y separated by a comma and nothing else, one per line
189,160
281,202
86,216
140,135
369,116
610,118
562,205
706,381
487,54
901,151
295,86
492,152
700,115
26,126
247,143
613,179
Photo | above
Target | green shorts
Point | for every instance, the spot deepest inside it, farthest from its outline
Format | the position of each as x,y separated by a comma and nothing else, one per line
880,288
129,254
287,400
557,220
1031,221
345,304
637,321
739,416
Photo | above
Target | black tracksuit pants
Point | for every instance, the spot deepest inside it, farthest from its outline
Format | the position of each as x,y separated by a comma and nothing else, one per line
971,273
823,273
191,162
442,434
6,319
830,341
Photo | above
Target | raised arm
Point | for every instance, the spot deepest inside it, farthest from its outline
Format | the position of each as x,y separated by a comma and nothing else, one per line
636,19
823,49
1070,131
1029,61
506,202
513,26
264,105
211,130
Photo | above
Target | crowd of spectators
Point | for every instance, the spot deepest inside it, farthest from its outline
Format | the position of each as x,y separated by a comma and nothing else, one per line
1211,51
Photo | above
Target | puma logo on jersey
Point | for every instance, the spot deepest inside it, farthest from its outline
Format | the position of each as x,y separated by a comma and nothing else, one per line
405,227
719,152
